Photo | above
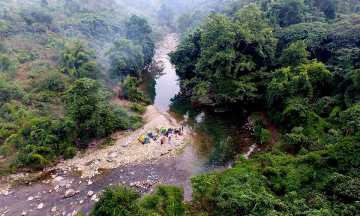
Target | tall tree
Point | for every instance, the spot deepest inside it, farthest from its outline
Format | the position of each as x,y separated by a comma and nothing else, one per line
126,58
232,55
138,30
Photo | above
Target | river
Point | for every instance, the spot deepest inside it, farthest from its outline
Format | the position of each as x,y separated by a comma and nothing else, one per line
216,139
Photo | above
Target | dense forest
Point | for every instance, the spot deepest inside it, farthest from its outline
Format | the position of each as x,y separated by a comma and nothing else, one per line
295,64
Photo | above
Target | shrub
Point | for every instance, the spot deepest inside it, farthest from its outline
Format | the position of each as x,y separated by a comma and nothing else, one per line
296,139
137,107
70,152
166,201
117,200
5,62
265,136
5,151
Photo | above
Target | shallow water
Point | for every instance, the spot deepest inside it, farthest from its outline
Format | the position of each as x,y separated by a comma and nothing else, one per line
216,138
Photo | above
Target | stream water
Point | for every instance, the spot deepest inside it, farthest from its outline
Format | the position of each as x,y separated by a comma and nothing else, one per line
216,137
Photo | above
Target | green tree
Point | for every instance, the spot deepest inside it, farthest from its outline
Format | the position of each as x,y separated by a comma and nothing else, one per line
284,12
76,61
295,55
126,58
89,114
117,200
139,31
166,16
232,53
5,62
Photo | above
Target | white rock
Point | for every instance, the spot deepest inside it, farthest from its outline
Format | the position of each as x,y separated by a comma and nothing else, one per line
64,183
56,187
81,202
40,206
90,182
23,213
94,197
69,193
90,193
68,186
6,193
30,198
74,213
59,178
53,209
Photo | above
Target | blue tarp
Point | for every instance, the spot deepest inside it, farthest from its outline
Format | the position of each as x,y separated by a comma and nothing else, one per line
150,135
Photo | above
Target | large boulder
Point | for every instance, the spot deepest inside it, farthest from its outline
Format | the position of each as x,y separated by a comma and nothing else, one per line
70,193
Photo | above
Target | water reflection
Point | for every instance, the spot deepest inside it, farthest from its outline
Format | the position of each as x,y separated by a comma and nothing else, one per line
216,137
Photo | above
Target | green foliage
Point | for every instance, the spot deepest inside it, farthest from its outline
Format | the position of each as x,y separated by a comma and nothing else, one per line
226,71
295,55
5,28
89,115
117,200
186,55
52,81
5,151
139,31
130,90
137,107
5,62
313,34
284,12
350,120
166,16
126,58
38,19
70,152
24,56
296,139
166,201
265,136
76,61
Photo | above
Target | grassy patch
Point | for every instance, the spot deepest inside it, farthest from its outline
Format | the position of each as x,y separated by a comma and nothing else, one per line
180,151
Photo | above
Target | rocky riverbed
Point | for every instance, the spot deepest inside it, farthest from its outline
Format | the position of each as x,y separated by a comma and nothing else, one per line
74,185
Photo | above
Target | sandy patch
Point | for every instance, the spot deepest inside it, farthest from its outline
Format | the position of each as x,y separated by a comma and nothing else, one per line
127,150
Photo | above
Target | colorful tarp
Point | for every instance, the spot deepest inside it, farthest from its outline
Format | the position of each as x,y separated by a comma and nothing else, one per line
143,138
162,130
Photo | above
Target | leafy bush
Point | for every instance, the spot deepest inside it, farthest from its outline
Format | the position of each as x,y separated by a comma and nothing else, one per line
137,107
131,92
5,151
166,201
5,62
117,200
70,152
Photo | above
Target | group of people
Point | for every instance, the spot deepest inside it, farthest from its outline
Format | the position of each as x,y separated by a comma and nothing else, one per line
167,134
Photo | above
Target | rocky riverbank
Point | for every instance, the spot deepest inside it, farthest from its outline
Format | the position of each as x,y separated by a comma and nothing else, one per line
74,185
